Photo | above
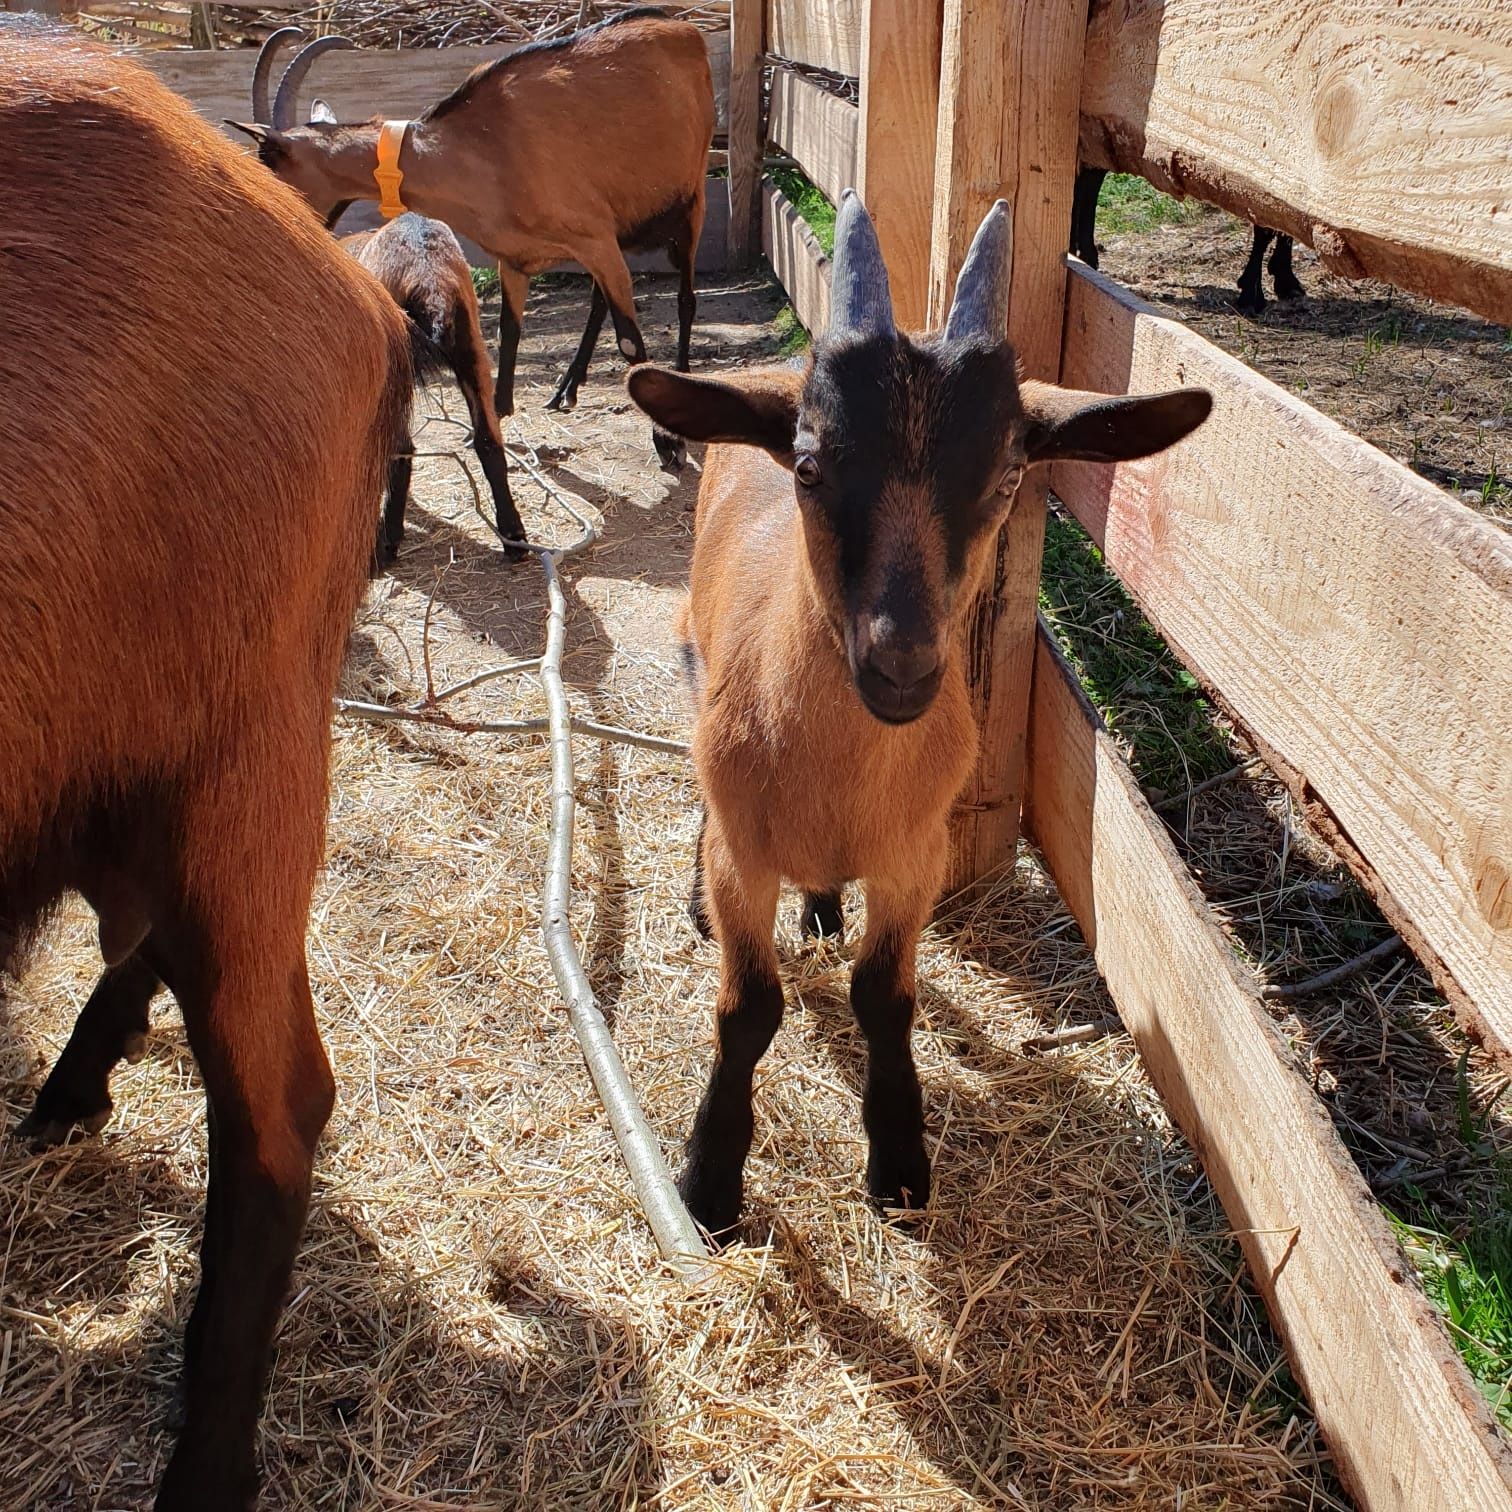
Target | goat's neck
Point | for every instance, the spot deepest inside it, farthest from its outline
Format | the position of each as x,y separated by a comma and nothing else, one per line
444,177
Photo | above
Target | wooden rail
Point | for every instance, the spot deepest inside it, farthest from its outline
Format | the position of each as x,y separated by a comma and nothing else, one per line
396,82
1407,1426
1378,133
796,258
823,33
817,128
1350,615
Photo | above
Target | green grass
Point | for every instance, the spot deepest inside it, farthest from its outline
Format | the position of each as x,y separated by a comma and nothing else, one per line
1128,203
485,282
791,337
810,203
1142,691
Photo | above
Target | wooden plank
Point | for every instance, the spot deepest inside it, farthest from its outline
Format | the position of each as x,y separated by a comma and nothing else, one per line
1407,1426
824,33
746,138
367,81
900,93
1378,133
1354,618
817,128
1009,76
796,258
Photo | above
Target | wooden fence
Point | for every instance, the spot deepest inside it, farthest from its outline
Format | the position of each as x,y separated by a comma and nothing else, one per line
1354,620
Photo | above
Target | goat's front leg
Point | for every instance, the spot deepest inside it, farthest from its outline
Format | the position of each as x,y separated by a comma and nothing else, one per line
743,901
882,998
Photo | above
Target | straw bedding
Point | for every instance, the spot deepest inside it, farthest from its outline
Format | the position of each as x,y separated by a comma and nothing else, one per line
479,1318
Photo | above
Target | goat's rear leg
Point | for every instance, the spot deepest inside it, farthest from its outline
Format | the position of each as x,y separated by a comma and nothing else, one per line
882,998
1251,299
470,363
1285,282
823,915
395,502
111,1028
566,395
513,287
234,958
748,1013
683,248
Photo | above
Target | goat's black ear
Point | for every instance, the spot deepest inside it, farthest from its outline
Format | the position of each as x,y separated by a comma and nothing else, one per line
1070,425
270,142
758,408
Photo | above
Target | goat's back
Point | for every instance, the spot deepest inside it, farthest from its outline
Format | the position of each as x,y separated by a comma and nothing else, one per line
198,396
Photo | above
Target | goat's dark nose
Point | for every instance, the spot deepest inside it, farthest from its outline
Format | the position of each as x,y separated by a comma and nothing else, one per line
904,665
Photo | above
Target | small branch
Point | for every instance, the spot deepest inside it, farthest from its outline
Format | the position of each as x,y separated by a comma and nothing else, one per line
1286,992
441,720
1206,785
1072,1034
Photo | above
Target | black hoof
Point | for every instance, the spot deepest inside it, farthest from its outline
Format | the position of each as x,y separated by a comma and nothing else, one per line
1249,303
714,1201
898,1178
1289,288
672,450
565,398
823,916
67,1102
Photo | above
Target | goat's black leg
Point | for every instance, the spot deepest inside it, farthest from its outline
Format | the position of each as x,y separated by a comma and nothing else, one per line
513,286
111,1028
470,364
1285,282
823,915
749,1012
1089,184
565,397
401,464
1251,296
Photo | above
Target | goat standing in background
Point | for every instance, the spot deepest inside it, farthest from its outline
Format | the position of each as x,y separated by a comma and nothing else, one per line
575,149
421,265
1251,299
187,519
838,550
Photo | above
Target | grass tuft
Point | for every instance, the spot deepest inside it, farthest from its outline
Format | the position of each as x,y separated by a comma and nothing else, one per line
1128,203
810,203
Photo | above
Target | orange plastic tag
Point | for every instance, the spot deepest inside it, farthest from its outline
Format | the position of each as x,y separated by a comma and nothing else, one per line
387,174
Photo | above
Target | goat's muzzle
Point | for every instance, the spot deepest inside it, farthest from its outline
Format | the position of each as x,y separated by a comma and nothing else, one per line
896,676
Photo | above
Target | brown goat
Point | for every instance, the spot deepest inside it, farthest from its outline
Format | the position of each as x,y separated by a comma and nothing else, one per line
421,265
575,149
192,460
834,568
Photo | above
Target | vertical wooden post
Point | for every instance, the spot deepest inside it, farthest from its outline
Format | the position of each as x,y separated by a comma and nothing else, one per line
895,149
1010,91
747,45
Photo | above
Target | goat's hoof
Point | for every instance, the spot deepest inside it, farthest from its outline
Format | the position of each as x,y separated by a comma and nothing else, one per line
565,399
190,1484
1289,288
823,917
134,1048
714,1201
42,1132
672,450
62,1106
1249,304
898,1178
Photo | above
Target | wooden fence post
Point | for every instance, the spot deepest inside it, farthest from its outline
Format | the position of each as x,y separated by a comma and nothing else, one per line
1010,89
900,94
747,47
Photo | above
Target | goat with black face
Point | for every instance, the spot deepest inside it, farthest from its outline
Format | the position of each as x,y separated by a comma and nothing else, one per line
845,523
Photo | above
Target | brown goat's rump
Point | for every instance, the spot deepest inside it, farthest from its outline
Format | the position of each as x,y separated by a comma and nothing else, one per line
478,1317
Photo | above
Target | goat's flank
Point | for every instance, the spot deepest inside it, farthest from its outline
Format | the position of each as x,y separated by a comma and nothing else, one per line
192,464
840,543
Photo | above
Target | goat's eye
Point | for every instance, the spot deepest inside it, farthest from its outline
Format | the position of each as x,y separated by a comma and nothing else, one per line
1012,477
806,470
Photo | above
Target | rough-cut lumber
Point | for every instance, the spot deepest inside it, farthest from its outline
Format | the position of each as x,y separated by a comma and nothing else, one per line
1377,132
1009,76
357,84
816,128
1354,618
745,138
824,33
900,93
1407,1426
796,258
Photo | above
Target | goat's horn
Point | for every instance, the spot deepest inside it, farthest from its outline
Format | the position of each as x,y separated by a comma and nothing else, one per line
294,76
262,74
980,306
860,301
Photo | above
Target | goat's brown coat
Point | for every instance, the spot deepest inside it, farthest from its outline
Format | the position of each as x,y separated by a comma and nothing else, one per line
198,397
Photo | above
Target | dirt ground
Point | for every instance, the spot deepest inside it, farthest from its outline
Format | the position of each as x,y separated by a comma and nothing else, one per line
1428,384
479,1318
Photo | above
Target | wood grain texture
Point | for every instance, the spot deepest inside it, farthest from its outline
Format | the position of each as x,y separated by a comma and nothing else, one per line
746,138
1378,133
1407,1426
900,94
817,128
796,258
825,33
1009,76
1354,618
358,84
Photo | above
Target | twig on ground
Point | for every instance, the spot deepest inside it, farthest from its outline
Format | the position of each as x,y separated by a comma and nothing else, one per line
1285,992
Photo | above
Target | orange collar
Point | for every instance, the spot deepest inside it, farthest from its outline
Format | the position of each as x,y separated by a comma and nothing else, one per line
387,173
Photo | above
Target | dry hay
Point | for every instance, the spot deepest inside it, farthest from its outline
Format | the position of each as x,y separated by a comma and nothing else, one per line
478,1317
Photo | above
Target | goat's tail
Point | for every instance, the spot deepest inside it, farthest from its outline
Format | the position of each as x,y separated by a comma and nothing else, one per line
430,339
